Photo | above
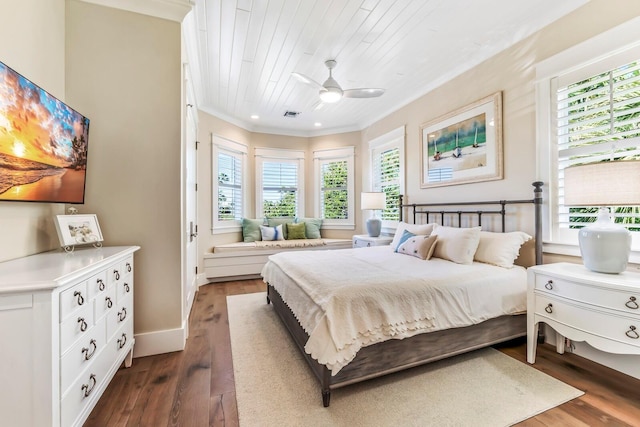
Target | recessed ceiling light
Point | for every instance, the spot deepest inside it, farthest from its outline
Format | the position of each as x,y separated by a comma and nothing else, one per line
255,116
317,124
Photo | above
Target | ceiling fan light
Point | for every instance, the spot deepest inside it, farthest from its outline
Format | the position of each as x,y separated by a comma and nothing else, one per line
330,95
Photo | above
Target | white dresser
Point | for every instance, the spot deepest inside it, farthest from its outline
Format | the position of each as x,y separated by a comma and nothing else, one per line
601,309
66,326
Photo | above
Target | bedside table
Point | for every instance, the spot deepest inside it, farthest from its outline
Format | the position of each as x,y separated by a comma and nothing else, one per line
364,241
600,309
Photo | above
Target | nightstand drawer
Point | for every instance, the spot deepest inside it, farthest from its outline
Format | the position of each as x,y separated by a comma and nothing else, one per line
587,319
617,300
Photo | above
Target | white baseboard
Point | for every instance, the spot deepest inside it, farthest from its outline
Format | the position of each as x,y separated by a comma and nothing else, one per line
202,279
158,342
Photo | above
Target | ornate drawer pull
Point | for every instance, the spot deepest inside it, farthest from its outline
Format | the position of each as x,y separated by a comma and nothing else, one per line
83,324
122,314
632,303
116,273
100,284
549,308
631,333
85,350
109,302
127,288
86,388
122,341
80,297
549,284
128,268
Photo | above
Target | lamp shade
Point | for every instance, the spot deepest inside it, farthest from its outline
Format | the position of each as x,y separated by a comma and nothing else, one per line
605,246
372,201
603,184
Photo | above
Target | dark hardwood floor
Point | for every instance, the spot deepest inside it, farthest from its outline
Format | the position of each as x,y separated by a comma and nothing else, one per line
195,387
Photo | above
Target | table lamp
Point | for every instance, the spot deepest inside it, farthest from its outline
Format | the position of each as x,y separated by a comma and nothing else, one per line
605,246
373,201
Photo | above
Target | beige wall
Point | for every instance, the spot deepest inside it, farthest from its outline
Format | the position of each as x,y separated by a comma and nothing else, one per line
32,34
124,73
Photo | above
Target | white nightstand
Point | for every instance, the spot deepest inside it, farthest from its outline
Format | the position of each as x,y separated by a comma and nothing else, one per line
600,309
364,240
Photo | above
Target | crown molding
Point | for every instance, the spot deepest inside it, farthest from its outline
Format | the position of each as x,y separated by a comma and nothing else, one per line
173,10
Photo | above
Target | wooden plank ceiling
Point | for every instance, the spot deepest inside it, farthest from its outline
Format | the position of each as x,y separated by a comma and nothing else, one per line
242,53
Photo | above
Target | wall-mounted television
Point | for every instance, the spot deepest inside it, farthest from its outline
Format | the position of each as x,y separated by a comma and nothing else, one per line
43,144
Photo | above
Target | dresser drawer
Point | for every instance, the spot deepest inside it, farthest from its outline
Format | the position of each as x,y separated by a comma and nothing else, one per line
120,314
586,318
75,327
124,288
615,299
105,302
97,284
82,355
88,385
72,299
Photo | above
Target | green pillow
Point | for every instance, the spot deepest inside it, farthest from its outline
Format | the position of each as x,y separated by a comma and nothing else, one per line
274,222
251,229
296,231
312,227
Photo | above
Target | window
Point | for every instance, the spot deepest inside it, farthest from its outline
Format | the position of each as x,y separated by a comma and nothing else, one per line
335,184
280,179
588,111
387,171
229,164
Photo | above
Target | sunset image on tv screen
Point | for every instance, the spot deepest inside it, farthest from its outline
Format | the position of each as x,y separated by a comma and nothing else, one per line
43,144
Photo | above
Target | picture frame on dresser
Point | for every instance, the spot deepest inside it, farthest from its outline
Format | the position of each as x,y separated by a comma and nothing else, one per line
79,229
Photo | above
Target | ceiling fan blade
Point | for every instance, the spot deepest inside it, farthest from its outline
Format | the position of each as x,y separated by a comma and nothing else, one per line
306,80
363,93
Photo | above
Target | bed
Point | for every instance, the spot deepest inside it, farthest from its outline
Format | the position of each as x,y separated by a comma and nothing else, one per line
378,311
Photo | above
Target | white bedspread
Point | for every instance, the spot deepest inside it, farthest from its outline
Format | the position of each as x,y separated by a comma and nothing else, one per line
350,298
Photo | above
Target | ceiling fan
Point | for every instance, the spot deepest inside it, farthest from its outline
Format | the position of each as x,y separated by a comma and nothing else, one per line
330,91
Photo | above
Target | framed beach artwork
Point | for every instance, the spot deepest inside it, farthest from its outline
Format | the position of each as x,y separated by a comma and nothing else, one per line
76,230
463,146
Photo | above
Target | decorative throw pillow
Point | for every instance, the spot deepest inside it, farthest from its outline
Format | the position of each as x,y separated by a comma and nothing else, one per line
272,222
312,227
500,249
296,231
251,229
271,233
416,229
456,244
405,236
419,246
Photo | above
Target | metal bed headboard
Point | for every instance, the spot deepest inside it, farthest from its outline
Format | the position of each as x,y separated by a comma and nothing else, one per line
499,209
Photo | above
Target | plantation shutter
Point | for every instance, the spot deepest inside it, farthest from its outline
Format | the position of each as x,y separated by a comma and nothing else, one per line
279,188
598,119
333,190
229,186
386,178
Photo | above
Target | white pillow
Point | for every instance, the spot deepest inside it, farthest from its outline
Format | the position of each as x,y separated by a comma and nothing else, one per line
456,244
500,249
418,246
272,233
417,229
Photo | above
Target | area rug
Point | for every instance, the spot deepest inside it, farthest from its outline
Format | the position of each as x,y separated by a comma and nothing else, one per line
275,386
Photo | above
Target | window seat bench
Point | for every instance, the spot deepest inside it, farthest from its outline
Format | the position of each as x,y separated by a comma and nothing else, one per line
243,260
